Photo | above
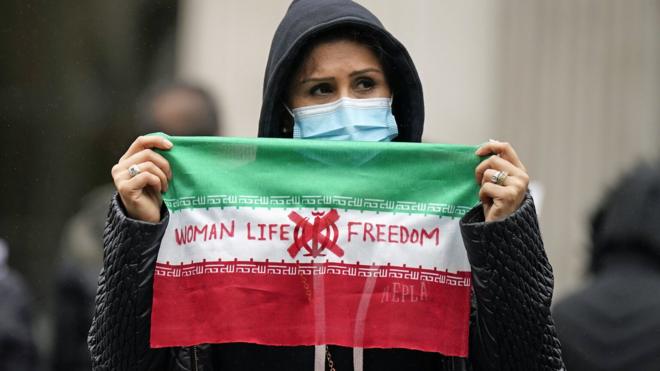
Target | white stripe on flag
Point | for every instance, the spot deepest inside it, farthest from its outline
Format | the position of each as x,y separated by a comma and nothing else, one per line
260,234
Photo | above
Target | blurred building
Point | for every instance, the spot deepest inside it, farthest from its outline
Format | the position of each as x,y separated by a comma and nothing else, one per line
573,84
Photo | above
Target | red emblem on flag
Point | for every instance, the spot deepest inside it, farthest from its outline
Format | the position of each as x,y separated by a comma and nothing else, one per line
322,233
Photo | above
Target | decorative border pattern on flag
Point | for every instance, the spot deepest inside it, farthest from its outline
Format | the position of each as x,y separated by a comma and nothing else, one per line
294,269
341,202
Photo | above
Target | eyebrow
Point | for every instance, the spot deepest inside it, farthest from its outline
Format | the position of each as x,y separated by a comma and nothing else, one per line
372,69
359,72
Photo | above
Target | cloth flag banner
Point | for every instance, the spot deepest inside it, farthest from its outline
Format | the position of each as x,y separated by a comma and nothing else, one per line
304,242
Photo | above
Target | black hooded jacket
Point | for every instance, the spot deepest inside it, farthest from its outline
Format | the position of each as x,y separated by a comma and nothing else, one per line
510,326
618,308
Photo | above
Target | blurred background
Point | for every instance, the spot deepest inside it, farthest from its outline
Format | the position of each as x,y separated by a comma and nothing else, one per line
574,85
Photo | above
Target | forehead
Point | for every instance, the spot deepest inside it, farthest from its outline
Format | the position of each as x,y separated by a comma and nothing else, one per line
337,57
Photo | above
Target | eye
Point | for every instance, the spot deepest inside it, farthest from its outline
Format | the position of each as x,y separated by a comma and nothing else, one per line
364,83
321,89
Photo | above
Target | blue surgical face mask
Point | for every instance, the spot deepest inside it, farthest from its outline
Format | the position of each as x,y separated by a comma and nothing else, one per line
368,120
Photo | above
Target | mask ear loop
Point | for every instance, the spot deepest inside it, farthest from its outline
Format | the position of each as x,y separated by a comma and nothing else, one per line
285,130
288,110
392,112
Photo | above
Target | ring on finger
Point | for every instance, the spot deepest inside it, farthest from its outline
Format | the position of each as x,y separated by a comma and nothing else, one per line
499,177
133,170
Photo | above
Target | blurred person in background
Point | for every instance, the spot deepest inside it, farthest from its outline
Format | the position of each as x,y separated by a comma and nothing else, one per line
612,324
325,54
17,347
176,108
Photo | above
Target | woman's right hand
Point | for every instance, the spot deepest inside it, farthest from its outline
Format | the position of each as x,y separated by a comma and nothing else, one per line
141,194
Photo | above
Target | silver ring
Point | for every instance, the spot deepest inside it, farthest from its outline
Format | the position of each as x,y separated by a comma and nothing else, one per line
133,170
499,177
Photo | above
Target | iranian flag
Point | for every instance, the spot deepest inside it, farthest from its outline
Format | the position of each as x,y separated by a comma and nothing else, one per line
302,242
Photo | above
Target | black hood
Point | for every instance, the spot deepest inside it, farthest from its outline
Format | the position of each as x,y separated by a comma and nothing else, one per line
628,219
307,18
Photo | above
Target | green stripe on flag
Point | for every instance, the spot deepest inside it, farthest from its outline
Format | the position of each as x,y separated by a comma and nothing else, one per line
266,172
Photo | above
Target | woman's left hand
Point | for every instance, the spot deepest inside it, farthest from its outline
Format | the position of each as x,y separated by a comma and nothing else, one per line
500,200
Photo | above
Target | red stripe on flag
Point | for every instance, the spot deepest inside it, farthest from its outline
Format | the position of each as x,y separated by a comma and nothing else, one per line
283,309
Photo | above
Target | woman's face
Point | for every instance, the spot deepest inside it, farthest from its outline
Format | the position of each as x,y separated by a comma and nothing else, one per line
338,69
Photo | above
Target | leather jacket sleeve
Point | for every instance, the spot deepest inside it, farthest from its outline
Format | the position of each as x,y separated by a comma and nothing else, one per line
119,336
511,325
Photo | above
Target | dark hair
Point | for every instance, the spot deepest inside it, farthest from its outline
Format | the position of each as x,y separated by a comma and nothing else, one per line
204,124
355,33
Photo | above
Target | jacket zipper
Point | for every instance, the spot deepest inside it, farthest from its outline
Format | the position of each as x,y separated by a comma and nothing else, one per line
194,358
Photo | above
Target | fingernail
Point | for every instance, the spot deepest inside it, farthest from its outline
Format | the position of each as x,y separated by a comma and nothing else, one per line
493,141
168,144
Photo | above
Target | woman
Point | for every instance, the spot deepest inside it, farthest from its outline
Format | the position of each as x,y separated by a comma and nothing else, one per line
333,55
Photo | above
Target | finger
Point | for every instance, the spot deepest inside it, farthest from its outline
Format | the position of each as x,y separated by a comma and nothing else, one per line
501,200
147,155
491,191
147,167
491,174
133,187
498,163
486,198
147,142
503,150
